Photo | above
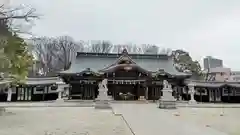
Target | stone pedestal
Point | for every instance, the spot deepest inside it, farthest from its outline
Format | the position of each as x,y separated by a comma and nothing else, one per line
9,95
192,92
60,99
167,101
102,101
142,98
101,104
60,91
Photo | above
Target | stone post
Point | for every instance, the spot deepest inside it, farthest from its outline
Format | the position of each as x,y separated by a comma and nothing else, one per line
59,95
9,95
192,92
167,101
102,101
60,90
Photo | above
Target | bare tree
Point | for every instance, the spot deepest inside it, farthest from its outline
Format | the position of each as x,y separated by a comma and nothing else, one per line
45,49
67,50
153,49
13,13
118,48
145,47
101,47
166,51
55,54
131,48
136,49
18,19
150,49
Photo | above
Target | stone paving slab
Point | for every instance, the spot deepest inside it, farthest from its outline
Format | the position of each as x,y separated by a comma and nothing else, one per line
144,119
221,119
47,104
72,103
61,121
149,120
209,105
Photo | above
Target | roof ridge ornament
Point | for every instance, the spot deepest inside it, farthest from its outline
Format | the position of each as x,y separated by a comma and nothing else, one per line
124,52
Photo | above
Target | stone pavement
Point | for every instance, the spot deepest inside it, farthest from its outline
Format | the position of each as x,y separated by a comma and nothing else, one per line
61,121
142,119
90,103
149,120
78,103
208,105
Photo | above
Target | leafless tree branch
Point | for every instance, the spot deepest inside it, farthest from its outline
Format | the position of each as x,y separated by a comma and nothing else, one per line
7,14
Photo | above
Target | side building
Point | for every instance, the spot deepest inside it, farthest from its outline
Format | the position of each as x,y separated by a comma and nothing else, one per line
33,89
210,62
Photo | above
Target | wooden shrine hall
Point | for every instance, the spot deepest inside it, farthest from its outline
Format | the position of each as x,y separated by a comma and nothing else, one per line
130,76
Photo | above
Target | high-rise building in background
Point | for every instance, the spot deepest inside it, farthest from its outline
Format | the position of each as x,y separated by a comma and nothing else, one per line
210,62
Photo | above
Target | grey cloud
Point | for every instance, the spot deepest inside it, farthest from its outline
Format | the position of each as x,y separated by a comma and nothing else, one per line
199,26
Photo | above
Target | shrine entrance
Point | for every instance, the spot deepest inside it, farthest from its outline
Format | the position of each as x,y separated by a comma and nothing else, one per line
125,89
126,79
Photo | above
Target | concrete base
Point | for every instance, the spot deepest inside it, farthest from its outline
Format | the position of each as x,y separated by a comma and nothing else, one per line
192,102
106,99
102,105
142,98
167,104
59,100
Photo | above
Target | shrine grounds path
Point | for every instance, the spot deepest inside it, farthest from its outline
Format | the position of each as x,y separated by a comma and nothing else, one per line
61,121
147,119
71,118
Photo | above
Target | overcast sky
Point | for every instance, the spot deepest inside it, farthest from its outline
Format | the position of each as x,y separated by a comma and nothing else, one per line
202,27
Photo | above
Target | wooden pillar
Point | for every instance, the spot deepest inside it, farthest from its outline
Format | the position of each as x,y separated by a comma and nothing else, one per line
26,91
31,93
209,94
43,93
146,92
229,92
201,95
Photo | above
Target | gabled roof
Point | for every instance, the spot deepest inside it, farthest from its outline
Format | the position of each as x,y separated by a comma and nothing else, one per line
34,81
4,82
41,81
212,84
100,61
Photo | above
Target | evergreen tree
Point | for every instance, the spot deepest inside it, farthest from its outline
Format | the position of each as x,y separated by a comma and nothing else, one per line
18,56
15,58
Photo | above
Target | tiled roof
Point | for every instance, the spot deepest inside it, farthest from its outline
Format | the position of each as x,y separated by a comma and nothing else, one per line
41,81
212,84
4,82
36,81
99,61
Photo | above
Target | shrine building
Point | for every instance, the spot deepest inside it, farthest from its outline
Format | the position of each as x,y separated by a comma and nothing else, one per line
139,76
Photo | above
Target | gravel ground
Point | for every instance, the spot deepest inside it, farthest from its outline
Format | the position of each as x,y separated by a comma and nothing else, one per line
61,121
212,117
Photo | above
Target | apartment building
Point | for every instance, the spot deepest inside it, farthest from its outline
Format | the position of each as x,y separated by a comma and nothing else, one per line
211,62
